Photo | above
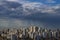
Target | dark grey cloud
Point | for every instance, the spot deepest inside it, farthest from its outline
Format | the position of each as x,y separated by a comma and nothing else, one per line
12,12
15,9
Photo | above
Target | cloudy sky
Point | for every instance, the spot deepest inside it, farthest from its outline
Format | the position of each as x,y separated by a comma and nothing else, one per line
42,1
21,12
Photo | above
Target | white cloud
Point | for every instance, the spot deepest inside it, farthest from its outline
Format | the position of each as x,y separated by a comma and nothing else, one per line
12,0
20,1
39,7
32,5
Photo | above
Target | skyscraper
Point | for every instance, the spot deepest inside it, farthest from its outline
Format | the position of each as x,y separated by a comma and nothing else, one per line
13,37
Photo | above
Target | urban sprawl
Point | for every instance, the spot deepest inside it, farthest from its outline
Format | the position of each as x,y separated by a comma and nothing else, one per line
30,33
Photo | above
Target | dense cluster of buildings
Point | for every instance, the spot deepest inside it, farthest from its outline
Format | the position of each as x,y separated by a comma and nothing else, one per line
30,33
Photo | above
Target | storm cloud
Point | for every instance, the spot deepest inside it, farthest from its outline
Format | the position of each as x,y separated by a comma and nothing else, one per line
15,10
